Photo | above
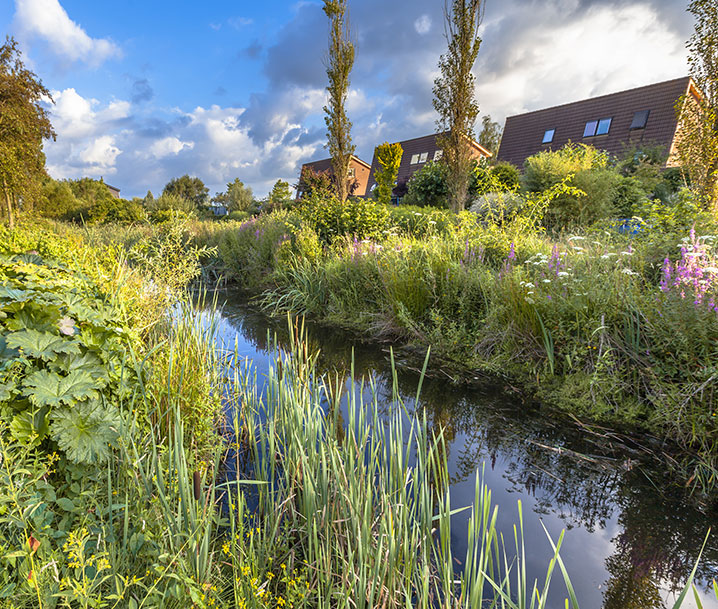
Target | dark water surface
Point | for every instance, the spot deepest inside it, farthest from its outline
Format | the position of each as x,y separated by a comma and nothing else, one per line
631,538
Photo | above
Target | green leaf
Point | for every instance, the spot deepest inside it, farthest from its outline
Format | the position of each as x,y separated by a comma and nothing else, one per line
41,344
14,294
65,504
47,388
86,431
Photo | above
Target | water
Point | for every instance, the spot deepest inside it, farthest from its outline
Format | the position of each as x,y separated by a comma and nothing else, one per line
631,538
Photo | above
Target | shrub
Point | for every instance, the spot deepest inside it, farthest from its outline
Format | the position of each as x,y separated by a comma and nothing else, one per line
238,216
507,175
330,218
57,201
420,221
119,211
62,376
427,187
546,168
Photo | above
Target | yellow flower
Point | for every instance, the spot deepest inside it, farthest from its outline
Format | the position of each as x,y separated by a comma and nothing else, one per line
225,548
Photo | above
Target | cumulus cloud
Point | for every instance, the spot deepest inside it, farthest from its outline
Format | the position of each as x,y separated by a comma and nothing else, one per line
48,21
533,55
168,146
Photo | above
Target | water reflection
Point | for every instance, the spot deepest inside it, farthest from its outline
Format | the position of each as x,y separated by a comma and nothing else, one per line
632,538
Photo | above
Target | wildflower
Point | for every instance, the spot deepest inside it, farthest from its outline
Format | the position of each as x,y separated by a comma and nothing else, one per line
512,252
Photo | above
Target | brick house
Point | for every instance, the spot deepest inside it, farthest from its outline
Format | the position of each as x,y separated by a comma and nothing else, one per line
609,122
358,174
415,154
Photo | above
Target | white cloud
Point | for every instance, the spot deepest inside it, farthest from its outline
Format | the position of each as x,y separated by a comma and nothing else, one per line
239,22
606,49
48,20
169,146
99,155
422,25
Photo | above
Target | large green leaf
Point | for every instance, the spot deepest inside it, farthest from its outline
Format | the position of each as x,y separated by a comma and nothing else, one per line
50,389
14,294
86,431
41,344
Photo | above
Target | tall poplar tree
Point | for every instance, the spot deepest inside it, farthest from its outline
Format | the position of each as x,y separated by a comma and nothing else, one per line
697,149
339,65
454,97
24,123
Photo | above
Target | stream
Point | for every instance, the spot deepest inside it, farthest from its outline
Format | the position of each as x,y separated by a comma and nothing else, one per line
631,538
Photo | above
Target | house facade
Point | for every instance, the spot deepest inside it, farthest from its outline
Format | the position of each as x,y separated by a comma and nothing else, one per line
416,153
613,122
358,174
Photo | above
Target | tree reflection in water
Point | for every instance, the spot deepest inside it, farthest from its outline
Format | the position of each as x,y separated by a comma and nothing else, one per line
584,479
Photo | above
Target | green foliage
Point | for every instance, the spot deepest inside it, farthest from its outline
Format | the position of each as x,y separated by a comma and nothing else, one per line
506,175
339,66
389,158
25,124
190,188
421,221
118,211
169,207
332,218
546,168
427,187
490,135
61,369
318,184
238,216
238,196
57,201
280,192
454,95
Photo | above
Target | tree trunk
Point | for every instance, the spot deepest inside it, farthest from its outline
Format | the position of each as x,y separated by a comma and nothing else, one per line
8,205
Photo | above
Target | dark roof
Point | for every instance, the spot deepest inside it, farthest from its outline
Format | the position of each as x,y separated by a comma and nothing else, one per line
414,146
523,133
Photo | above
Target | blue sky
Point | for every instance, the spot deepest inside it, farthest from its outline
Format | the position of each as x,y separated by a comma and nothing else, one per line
146,91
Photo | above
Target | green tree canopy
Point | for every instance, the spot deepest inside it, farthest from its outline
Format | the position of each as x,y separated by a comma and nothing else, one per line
24,123
490,135
389,158
239,196
280,192
190,188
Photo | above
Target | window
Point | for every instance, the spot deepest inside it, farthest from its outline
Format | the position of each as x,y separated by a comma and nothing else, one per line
414,159
548,136
590,128
424,156
640,119
597,127
603,126
438,154
352,172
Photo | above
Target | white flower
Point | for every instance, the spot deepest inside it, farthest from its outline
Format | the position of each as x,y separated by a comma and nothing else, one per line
547,281
67,326
576,238
562,274
628,272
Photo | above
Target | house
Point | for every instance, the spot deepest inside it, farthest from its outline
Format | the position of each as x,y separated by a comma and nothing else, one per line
358,174
608,122
416,153
114,191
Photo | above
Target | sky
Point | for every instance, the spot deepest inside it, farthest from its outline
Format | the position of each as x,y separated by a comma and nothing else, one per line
145,91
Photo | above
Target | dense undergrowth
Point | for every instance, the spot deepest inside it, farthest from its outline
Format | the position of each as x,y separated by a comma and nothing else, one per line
617,325
118,485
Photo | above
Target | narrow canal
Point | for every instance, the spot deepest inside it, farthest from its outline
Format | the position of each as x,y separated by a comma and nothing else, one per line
631,538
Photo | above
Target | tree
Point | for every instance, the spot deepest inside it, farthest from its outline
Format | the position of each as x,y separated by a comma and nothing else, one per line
697,148
190,188
339,66
315,183
454,98
239,196
490,135
24,123
389,158
280,192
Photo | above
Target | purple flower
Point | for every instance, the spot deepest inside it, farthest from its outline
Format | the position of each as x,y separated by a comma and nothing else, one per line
512,252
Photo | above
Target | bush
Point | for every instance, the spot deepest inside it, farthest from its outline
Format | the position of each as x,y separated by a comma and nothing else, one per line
62,376
427,187
546,168
420,221
115,210
238,216
57,201
330,218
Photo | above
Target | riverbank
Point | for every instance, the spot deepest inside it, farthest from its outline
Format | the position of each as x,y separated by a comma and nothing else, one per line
617,329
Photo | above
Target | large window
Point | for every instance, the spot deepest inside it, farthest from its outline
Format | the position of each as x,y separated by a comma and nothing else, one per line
640,119
597,127
414,159
438,154
423,157
548,136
